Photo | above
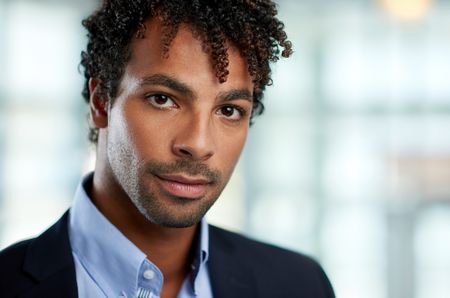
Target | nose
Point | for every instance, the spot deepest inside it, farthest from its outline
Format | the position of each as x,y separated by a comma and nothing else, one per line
194,140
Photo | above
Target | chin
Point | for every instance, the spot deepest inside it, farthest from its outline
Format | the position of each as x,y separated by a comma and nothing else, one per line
175,221
174,216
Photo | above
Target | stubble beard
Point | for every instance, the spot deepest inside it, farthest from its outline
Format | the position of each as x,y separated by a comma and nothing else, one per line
156,212
163,209
171,211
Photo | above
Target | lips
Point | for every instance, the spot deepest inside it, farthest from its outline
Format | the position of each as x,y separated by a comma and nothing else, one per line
184,186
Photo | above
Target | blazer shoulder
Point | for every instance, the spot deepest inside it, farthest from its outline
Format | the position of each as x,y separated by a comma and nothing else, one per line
12,257
15,249
12,276
39,267
273,265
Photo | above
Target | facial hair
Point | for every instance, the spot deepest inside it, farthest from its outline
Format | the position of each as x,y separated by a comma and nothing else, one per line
162,208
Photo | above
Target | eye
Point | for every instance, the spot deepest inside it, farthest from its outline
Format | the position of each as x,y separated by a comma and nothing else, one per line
233,113
161,101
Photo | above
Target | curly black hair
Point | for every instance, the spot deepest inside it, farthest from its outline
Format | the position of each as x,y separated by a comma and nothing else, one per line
250,25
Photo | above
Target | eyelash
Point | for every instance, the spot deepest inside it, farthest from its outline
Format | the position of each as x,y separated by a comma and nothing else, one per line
149,98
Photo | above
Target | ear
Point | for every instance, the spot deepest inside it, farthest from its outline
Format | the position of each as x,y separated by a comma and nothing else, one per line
98,105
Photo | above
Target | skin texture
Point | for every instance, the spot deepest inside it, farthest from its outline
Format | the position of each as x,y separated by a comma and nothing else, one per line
171,117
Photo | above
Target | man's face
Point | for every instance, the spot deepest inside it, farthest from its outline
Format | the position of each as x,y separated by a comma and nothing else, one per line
174,132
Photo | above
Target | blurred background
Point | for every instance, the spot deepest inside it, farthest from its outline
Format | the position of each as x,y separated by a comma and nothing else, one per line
350,163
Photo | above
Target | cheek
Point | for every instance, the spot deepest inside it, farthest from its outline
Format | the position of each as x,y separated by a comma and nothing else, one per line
120,148
118,131
124,132
231,148
146,134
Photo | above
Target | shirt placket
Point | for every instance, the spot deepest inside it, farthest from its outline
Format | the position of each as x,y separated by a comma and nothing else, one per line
150,281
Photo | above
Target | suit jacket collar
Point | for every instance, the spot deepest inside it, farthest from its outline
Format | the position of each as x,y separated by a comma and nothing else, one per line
229,278
49,261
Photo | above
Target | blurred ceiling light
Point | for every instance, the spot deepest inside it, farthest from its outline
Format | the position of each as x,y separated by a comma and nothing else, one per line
408,10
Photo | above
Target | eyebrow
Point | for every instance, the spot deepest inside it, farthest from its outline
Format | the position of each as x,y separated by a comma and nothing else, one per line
236,94
169,82
172,83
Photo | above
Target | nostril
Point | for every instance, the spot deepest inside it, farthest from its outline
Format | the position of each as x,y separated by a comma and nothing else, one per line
185,152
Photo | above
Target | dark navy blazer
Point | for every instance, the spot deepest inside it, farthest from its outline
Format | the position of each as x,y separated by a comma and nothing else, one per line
43,267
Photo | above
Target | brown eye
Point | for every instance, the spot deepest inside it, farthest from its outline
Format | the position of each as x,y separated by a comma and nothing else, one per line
227,111
230,112
161,101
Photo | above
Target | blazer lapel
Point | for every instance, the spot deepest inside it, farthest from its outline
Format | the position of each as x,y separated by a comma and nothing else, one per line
49,261
229,277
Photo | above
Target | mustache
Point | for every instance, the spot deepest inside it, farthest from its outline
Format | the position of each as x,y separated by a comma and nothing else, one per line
183,166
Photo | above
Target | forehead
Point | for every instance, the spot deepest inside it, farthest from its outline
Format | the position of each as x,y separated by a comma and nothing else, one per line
186,57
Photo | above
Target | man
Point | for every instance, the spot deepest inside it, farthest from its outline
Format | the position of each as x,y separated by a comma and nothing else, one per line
172,87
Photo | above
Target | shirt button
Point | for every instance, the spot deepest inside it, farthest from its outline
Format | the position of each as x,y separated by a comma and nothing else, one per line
149,274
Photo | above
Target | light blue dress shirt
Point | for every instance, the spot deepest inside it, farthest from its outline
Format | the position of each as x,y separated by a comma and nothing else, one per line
109,265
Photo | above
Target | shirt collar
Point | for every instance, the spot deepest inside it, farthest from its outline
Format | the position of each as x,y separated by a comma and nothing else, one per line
112,260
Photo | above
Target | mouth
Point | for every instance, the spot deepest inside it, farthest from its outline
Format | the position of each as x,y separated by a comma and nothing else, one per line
184,186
